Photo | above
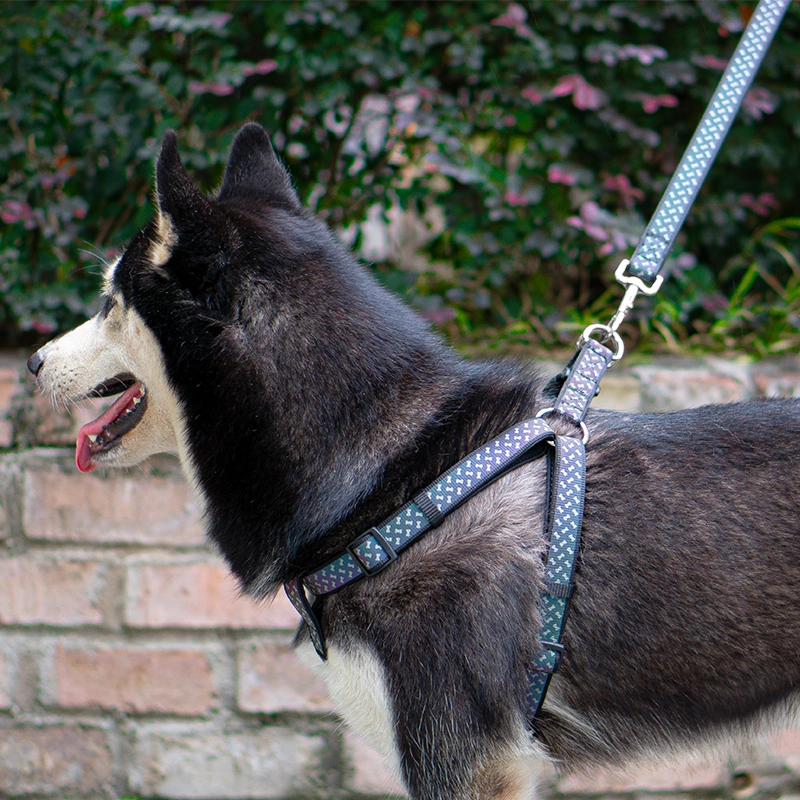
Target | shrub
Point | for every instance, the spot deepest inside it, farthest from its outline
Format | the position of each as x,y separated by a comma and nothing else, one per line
542,136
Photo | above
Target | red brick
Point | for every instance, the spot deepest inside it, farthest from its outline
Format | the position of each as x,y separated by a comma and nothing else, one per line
137,681
54,761
111,507
202,762
272,680
197,595
369,773
38,591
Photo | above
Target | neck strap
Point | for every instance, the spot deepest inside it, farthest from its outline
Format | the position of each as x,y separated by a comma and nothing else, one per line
378,547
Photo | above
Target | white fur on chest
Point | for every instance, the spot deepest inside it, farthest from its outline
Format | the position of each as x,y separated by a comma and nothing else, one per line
356,681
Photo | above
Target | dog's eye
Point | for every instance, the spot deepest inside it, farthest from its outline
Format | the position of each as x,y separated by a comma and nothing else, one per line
107,306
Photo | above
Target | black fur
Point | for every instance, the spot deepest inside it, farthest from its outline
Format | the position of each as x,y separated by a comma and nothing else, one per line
316,404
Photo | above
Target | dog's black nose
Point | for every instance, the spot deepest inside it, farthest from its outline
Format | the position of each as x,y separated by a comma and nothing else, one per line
35,362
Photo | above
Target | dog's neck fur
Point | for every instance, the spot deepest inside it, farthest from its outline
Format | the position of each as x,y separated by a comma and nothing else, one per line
361,435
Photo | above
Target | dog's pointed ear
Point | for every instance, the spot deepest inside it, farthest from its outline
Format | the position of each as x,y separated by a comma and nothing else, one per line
189,210
190,226
254,170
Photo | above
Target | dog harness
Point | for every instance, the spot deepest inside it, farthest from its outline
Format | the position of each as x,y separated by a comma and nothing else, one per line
375,549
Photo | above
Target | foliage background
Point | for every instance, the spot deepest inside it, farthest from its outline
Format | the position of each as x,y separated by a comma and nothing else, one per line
533,139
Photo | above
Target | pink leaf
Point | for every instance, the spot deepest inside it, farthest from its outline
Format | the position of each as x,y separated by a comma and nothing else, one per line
219,19
14,211
622,184
584,96
219,89
588,97
261,68
514,18
761,205
758,102
596,232
652,102
565,85
534,95
516,199
711,62
557,174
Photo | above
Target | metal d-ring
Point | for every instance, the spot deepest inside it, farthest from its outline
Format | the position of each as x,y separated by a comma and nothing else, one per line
584,429
608,335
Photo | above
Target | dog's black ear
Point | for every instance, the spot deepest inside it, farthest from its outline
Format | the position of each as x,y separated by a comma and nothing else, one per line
192,237
254,170
189,210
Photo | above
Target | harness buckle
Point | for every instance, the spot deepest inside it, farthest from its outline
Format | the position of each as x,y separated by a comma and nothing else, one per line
365,566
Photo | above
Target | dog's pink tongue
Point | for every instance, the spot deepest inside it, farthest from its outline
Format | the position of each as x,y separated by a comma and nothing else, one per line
83,451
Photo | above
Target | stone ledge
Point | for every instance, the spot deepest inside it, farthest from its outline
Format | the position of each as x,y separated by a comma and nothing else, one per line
199,762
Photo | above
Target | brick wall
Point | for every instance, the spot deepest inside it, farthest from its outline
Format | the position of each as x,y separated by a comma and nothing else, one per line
129,665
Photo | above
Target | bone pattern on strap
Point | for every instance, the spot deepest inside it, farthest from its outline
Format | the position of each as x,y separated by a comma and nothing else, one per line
583,381
566,516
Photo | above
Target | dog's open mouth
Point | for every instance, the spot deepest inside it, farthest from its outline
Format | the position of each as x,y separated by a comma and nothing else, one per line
105,433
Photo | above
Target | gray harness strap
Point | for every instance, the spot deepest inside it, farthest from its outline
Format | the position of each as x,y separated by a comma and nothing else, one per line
568,489
566,518
378,547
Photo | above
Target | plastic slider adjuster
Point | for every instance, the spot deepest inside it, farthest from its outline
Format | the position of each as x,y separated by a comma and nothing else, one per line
366,567
560,590
557,649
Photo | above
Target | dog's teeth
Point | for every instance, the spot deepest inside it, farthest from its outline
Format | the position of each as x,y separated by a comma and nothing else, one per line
136,401
92,437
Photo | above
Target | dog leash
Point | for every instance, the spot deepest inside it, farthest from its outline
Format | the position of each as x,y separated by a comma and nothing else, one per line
578,384
656,242
646,263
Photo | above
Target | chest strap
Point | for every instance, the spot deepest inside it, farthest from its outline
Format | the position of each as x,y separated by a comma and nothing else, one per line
568,482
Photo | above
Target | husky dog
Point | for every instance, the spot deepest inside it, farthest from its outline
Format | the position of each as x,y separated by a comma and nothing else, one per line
307,404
